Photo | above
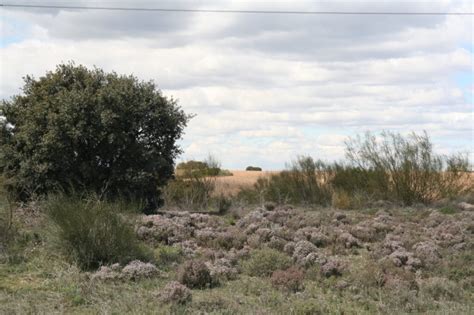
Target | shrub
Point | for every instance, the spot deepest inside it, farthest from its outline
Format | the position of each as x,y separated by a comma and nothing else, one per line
263,262
175,292
6,220
194,187
342,199
137,269
80,129
353,180
195,274
93,233
192,193
190,169
232,238
448,210
12,243
333,267
253,168
440,288
225,173
304,182
166,255
414,172
290,279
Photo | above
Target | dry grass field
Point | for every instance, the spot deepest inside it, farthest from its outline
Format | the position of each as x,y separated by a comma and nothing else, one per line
231,185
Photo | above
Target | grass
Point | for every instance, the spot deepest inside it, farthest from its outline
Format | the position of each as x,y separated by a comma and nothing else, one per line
448,210
92,232
264,262
66,290
46,283
231,185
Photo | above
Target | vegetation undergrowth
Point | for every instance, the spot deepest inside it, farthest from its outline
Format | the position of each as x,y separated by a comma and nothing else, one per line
194,185
93,232
390,166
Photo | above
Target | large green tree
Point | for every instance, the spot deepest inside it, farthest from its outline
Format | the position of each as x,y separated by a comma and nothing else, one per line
87,130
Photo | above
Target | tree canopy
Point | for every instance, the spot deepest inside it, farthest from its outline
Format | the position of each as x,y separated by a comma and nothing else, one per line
84,129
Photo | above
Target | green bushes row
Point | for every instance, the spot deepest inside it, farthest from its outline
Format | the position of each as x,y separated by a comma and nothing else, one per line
390,167
304,182
406,168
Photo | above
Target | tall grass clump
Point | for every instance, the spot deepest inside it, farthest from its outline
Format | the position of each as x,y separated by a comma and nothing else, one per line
189,193
93,232
403,168
263,262
303,182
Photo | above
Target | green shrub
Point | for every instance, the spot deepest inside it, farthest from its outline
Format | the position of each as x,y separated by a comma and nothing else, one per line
414,173
79,129
166,255
263,262
194,186
192,193
195,168
225,173
448,210
210,167
253,168
374,184
304,182
253,194
92,233
394,168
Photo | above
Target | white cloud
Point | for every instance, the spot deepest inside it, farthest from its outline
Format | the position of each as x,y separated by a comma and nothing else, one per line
266,88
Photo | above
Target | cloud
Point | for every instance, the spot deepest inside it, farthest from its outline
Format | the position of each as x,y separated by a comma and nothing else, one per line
266,88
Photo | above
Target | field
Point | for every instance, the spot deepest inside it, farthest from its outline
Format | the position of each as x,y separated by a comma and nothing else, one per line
382,259
231,185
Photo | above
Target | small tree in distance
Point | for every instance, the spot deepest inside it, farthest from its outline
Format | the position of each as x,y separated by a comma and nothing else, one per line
79,129
253,168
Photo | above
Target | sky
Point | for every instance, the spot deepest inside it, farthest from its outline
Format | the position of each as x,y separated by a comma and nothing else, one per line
267,88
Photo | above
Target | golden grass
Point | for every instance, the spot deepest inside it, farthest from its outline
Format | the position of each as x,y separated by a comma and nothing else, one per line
230,185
